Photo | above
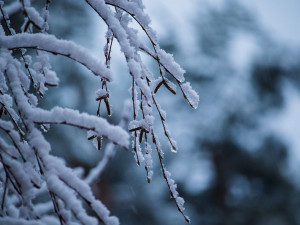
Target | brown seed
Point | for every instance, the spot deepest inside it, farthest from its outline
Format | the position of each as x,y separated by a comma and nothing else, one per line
158,86
1,111
99,142
91,137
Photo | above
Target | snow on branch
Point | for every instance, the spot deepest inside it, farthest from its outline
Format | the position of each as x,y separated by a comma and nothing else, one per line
13,8
188,93
81,120
14,221
50,43
109,150
121,35
144,85
37,187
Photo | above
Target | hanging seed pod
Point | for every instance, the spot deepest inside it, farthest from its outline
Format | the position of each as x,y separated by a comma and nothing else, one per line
50,85
170,86
102,96
1,111
158,86
91,137
99,143
98,110
148,179
26,26
107,106
141,136
135,129
135,149
45,128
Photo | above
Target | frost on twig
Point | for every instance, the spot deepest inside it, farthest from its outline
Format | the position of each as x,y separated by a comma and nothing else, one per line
27,168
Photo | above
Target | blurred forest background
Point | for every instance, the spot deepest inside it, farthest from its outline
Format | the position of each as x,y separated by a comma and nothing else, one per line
239,152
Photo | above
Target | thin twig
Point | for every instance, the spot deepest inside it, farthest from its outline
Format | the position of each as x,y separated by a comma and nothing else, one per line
4,193
160,156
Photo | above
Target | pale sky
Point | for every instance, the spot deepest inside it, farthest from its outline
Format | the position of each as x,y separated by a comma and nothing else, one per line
280,17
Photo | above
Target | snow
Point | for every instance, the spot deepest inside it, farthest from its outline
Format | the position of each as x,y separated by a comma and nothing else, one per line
18,221
9,150
54,168
136,10
34,16
82,120
21,177
42,74
174,193
56,186
138,155
143,124
6,102
191,95
101,93
136,71
168,61
148,162
27,159
51,44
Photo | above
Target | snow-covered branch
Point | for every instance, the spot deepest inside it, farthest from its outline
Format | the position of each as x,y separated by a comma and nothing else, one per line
81,120
13,8
40,188
50,43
